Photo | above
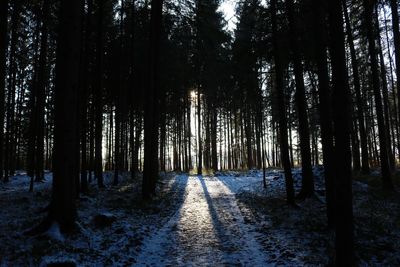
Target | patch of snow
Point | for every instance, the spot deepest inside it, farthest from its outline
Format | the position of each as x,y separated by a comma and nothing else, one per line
208,229
54,232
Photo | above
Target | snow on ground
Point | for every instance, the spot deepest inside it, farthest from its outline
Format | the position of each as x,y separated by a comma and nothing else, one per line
207,230
280,229
298,236
117,244
224,220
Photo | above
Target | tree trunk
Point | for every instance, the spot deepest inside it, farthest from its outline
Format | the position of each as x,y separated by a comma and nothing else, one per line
31,148
3,49
368,15
214,123
396,35
62,208
200,147
324,108
385,94
41,94
357,89
98,98
395,113
150,172
283,134
84,97
341,116
11,87
307,188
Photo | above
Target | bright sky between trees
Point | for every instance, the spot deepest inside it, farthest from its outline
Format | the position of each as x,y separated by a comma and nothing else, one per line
228,9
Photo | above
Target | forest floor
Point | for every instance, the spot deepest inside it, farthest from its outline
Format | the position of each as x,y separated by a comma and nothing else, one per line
225,219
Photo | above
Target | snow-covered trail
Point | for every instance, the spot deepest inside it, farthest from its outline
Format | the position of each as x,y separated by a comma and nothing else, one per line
207,230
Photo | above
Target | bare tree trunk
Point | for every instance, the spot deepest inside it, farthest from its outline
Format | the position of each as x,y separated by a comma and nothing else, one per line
325,108
396,35
307,188
283,134
151,131
62,207
11,86
3,49
84,98
200,146
341,116
98,98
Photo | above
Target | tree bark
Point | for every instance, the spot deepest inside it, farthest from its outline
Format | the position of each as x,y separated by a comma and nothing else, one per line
396,36
199,141
151,131
307,188
11,87
344,243
62,208
283,134
84,94
324,106
3,49
98,98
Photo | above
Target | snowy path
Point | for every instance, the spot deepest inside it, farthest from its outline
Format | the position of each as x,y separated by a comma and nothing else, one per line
207,230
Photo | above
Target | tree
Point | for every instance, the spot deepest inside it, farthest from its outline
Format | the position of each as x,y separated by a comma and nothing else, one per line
3,49
11,93
38,97
207,57
84,95
384,157
283,134
98,96
307,188
199,141
341,117
357,89
150,172
62,209
325,109
245,58
396,35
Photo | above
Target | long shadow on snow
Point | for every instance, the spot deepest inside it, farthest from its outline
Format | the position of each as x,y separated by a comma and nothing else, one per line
219,227
178,187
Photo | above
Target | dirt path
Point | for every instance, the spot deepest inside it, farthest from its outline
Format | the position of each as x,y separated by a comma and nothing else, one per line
207,230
